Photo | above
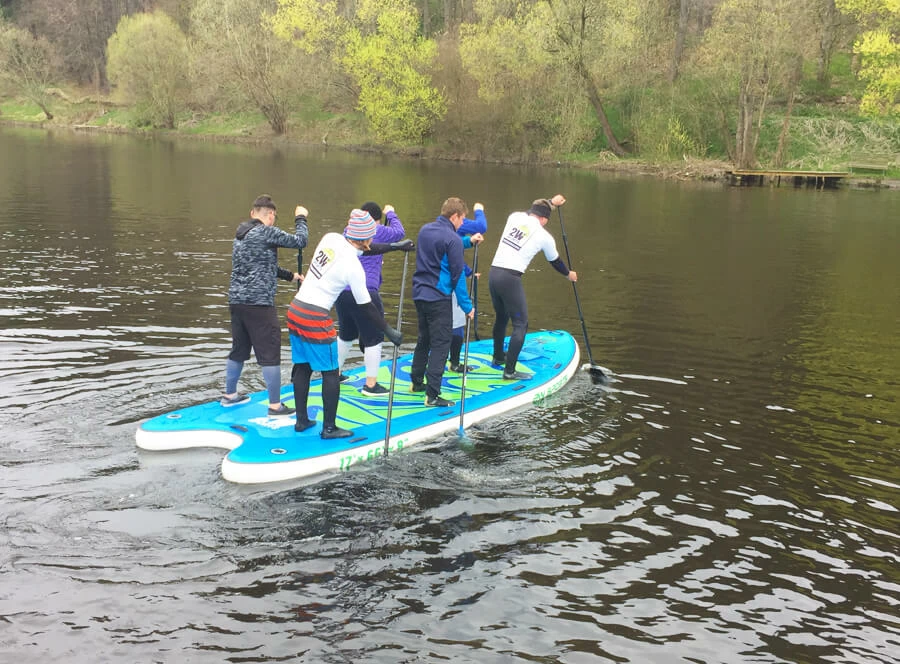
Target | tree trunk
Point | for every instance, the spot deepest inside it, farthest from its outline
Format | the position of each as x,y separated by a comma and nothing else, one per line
785,131
594,97
793,82
426,18
760,113
743,138
680,34
752,100
100,76
275,116
449,17
827,40
727,138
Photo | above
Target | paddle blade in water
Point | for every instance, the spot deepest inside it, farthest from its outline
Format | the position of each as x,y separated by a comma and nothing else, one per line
599,375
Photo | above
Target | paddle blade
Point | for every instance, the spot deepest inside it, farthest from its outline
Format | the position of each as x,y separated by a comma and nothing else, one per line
599,375
465,442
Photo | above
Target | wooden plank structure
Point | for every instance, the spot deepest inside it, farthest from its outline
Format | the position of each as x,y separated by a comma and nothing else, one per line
817,179
870,162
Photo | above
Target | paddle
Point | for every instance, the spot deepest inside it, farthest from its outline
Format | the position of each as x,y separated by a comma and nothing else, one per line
474,294
299,251
595,370
387,423
299,266
465,364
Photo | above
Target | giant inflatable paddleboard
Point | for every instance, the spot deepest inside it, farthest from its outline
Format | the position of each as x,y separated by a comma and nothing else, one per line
267,449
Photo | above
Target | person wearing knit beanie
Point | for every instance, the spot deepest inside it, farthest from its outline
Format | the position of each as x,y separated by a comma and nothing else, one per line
352,324
360,226
523,237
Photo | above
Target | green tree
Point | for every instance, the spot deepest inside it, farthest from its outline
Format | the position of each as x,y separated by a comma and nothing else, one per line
687,20
832,30
237,49
879,47
147,59
27,64
388,61
749,55
80,29
384,58
592,44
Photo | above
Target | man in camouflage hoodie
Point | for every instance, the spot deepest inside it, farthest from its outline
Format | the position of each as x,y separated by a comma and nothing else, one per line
251,296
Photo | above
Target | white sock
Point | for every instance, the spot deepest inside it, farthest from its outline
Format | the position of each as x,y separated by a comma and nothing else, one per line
343,351
372,356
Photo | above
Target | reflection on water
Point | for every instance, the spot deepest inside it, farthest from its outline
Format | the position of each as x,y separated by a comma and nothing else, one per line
731,495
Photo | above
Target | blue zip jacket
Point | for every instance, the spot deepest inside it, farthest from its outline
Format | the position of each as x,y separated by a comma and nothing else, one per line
436,241
472,226
467,228
461,290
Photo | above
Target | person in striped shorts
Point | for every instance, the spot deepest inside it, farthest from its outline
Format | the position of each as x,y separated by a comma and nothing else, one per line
334,266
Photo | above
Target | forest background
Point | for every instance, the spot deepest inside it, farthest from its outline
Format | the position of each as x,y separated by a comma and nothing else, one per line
812,84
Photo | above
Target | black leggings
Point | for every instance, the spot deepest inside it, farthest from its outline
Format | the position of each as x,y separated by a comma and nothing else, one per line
508,298
331,393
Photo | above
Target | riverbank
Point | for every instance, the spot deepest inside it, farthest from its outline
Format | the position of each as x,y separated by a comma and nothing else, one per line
244,129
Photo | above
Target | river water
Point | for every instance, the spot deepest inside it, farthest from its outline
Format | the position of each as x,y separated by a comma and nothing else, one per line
731,496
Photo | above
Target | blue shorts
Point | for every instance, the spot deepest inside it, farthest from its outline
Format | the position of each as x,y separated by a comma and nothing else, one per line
320,357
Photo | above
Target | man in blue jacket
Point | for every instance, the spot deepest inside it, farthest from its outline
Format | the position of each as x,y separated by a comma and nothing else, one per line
432,288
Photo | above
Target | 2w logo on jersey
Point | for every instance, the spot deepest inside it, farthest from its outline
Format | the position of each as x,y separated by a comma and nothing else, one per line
516,237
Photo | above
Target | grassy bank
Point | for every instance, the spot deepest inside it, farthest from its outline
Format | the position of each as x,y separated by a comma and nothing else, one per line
823,137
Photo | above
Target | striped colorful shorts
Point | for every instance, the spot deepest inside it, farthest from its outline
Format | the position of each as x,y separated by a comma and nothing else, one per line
313,337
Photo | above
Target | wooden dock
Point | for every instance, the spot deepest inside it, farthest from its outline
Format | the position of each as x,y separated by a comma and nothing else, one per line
817,179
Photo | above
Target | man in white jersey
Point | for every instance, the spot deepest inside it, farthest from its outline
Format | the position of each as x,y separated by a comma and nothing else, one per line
523,237
334,266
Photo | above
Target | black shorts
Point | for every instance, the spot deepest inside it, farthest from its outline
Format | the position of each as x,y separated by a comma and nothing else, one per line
354,324
257,327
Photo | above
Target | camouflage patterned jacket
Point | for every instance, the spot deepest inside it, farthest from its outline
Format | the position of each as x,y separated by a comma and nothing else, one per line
254,260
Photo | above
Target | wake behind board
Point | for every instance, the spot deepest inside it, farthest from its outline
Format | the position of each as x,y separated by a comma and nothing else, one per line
267,449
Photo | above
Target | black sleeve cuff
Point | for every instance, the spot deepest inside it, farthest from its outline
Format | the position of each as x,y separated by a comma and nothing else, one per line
560,267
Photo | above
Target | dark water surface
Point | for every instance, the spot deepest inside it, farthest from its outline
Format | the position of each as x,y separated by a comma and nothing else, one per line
732,496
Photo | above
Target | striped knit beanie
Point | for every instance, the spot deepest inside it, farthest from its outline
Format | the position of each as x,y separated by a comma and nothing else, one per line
360,226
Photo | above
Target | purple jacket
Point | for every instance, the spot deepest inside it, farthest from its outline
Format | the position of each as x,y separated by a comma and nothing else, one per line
393,231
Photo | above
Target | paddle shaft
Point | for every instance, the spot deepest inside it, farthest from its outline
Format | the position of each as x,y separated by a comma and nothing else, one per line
299,266
587,344
465,364
474,294
387,423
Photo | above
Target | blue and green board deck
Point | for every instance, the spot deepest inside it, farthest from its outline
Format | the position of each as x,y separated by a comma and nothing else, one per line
267,449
